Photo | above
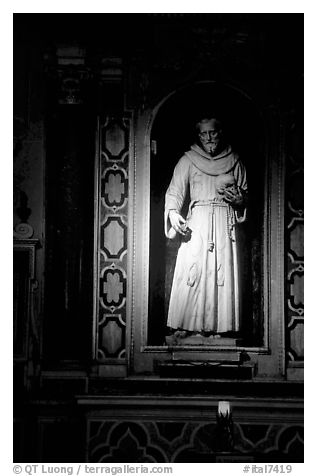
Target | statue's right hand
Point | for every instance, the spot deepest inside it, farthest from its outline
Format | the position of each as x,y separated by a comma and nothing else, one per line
177,222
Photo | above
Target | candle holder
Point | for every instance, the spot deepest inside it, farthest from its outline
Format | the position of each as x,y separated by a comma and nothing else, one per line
224,429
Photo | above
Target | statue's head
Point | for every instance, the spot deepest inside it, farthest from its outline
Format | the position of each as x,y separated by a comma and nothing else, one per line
210,135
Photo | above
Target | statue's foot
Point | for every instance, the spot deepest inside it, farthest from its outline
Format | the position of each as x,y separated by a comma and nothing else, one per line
181,334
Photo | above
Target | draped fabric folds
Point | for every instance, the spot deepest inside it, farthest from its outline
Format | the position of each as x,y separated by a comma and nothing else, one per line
205,289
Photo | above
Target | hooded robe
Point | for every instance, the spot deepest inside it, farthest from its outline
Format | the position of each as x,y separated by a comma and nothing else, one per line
205,289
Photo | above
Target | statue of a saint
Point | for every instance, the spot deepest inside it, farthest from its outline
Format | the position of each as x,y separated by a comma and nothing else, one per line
205,291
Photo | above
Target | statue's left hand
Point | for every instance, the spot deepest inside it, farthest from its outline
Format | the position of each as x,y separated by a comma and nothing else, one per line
235,199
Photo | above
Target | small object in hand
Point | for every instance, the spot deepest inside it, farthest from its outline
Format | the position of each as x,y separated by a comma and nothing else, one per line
188,233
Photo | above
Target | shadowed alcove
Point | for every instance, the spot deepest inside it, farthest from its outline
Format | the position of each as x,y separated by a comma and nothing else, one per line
173,132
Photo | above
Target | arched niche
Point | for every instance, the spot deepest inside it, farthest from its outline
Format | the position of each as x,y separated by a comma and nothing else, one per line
162,136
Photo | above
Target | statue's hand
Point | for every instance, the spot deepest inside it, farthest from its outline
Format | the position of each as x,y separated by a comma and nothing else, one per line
177,222
221,189
235,199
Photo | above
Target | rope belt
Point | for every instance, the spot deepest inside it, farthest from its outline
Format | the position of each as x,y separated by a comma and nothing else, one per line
230,218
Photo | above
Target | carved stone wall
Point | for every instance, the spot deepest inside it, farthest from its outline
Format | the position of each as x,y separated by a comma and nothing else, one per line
181,441
113,181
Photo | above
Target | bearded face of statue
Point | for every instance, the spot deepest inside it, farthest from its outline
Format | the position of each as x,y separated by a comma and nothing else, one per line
210,136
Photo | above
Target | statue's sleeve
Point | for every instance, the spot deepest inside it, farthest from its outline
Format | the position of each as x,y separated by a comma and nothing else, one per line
241,180
176,192
241,177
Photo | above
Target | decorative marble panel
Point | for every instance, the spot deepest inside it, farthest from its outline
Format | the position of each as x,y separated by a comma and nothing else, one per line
114,187
113,237
112,330
115,139
113,163
294,234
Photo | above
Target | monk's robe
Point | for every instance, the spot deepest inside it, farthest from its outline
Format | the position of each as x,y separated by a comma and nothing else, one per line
205,289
